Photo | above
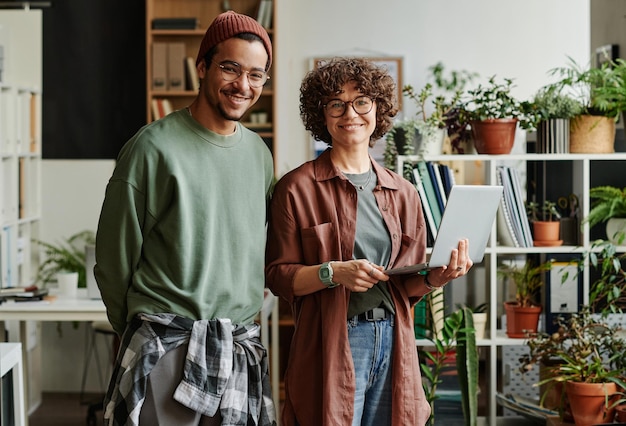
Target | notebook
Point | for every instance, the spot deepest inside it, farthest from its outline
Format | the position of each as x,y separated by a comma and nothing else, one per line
469,213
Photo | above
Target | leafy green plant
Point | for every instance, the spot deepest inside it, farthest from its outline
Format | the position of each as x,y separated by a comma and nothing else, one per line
548,211
610,288
607,202
528,279
455,336
548,103
67,256
586,349
437,104
594,87
494,100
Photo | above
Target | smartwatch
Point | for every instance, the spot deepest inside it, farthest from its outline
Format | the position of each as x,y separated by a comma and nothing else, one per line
326,275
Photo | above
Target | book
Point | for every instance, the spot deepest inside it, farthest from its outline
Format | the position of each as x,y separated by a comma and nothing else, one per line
167,106
174,23
506,233
176,66
159,65
429,191
521,208
192,82
155,109
441,192
430,222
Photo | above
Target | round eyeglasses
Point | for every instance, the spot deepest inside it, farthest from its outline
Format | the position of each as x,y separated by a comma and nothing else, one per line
361,105
231,71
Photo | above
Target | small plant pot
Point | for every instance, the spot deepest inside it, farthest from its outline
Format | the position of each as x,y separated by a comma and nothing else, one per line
68,284
521,321
480,324
546,233
494,136
616,230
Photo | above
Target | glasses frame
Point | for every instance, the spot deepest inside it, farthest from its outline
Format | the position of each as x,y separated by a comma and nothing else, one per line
345,106
225,73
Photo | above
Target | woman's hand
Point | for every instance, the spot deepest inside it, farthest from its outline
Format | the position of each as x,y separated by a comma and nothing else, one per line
358,275
460,264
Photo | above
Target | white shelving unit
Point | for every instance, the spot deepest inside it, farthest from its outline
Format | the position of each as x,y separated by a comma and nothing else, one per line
20,173
580,180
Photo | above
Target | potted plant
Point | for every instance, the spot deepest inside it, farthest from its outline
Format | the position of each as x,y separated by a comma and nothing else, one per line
435,105
608,204
608,290
592,131
585,353
453,342
65,257
522,314
550,112
493,114
545,222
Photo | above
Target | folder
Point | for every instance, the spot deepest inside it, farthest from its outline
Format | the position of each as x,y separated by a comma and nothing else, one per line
159,65
176,66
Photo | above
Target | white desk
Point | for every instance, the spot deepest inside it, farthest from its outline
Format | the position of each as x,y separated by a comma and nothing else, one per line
83,308
11,360
62,309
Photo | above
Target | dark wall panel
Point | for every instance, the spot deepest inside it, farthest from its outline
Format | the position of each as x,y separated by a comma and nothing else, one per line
93,77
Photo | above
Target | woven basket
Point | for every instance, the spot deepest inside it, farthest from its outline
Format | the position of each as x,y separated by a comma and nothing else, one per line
591,134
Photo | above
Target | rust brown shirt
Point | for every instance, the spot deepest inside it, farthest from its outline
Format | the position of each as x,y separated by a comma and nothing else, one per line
313,220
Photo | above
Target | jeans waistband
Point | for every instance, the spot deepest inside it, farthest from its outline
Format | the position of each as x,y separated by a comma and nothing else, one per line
375,314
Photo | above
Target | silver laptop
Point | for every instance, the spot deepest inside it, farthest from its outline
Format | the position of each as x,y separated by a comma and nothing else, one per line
469,213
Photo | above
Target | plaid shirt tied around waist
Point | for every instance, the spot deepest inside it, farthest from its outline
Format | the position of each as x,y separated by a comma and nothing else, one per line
225,368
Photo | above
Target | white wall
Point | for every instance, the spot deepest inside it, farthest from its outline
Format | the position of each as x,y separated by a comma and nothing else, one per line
524,41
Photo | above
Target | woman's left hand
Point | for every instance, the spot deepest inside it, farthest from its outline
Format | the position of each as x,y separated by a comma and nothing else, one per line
460,264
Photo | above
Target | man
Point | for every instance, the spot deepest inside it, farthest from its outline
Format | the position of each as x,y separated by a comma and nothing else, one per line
180,249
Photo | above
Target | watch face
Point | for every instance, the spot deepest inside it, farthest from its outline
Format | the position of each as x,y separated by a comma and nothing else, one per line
324,273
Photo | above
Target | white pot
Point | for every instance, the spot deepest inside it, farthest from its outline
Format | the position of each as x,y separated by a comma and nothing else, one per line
616,230
480,324
432,144
68,284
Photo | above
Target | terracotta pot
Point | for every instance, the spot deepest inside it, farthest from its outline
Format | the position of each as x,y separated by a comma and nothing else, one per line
494,135
587,401
592,134
520,321
620,413
546,231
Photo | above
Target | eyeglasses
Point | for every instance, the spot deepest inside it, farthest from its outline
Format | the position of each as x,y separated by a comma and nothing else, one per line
231,71
361,105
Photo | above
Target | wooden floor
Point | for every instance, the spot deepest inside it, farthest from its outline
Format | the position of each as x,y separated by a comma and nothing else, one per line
63,409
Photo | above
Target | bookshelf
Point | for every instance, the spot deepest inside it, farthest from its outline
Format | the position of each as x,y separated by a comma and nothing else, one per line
20,172
261,117
584,171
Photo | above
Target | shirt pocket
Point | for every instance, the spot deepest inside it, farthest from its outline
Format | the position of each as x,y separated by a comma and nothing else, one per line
320,243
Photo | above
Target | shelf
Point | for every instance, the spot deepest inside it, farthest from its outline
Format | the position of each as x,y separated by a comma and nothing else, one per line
583,172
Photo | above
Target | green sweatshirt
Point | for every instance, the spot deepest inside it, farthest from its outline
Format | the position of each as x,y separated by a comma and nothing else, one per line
182,226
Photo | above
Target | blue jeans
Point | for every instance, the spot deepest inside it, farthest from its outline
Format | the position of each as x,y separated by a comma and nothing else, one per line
371,344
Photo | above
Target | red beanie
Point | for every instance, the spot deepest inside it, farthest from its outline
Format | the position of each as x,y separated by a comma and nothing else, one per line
229,24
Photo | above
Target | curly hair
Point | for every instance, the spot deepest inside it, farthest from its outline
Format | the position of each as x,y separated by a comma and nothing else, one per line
328,80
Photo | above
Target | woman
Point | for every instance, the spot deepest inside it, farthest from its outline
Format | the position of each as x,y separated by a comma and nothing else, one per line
336,223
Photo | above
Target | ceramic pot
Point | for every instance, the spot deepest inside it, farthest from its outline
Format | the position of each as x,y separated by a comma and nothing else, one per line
494,136
480,324
546,233
588,404
616,230
553,136
68,284
520,321
431,144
